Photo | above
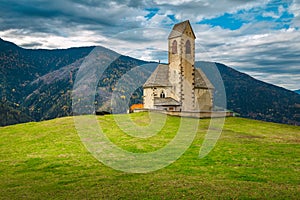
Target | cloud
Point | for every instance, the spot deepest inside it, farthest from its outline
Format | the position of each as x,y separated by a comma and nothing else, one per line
50,16
295,10
199,9
31,44
274,53
259,37
111,16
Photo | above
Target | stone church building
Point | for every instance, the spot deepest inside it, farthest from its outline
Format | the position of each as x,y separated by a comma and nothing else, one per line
178,86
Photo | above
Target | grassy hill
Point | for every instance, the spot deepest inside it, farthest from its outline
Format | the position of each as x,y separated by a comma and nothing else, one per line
252,159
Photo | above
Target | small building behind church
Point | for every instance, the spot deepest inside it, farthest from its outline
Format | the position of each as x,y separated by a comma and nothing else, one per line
178,85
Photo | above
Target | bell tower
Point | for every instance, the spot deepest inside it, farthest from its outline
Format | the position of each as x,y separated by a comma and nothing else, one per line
181,64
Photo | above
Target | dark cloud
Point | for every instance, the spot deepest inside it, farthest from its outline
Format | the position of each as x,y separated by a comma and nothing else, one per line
31,44
256,47
111,16
50,16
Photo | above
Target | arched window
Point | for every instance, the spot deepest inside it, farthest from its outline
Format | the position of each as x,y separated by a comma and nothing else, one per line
162,95
188,47
174,47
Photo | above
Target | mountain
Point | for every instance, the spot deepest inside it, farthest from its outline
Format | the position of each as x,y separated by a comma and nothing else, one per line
19,67
297,91
10,115
40,83
255,99
52,92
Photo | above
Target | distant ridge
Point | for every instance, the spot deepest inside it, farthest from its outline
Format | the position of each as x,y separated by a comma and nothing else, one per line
19,67
40,83
9,115
255,99
297,91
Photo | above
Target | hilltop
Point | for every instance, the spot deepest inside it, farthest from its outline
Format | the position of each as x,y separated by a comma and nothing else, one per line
252,159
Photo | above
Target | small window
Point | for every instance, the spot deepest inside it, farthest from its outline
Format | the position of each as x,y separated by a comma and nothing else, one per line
188,47
162,95
174,47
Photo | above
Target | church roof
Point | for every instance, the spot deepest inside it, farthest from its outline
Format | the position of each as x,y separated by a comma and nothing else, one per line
178,29
201,81
168,101
160,77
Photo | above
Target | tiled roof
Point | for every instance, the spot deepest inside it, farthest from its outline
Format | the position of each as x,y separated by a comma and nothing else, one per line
168,101
160,77
201,81
179,29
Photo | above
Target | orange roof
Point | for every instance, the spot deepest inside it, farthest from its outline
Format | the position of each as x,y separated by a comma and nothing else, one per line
134,106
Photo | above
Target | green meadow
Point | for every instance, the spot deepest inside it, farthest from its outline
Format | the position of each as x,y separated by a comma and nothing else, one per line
251,160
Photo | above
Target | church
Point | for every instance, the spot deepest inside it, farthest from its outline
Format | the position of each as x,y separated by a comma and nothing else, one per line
178,85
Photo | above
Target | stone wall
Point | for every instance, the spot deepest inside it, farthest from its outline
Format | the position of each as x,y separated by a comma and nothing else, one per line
204,114
204,99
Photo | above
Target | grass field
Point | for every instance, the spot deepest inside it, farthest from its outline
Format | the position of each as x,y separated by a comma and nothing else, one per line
252,160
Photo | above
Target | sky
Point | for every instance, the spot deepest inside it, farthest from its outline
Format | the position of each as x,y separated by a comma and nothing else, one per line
258,37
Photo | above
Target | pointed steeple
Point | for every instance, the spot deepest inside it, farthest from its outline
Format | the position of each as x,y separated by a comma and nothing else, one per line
178,30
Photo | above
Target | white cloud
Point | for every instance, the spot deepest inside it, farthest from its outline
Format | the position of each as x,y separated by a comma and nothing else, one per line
295,10
46,41
272,56
173,2
271,14
197,10
158,20
257,48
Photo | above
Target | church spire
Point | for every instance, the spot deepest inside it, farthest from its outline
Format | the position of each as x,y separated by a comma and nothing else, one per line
179,29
